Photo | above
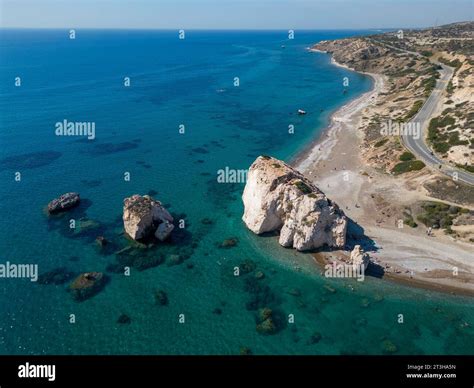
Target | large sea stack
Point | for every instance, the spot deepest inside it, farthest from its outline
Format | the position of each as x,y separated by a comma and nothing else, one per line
279,198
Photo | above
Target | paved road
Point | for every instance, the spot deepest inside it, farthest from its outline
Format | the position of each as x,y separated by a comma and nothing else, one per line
417,145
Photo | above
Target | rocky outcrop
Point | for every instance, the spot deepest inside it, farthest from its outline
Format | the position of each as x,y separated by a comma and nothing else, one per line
356,53
64,202
87,285
144,217
359,258
279,198
265,323
164,230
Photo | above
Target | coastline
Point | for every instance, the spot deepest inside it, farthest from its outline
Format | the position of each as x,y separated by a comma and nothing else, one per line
321,147
336,152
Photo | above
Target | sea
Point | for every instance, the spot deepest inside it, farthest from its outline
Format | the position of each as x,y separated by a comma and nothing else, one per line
169,114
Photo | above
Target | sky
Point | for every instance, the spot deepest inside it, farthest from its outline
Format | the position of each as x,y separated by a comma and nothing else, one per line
233,14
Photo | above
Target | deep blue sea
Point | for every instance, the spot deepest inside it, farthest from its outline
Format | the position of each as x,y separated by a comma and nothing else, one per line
175,82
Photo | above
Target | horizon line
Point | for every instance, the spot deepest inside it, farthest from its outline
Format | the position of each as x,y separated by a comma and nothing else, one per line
207,29
227,29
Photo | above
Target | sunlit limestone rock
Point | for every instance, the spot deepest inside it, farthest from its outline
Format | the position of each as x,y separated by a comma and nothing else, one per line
144,216
64,202
277,197
359,258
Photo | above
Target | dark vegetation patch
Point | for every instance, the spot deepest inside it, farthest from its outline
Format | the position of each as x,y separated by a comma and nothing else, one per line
414,110
438,215
407,156
439,135
303,187
412,165
380,143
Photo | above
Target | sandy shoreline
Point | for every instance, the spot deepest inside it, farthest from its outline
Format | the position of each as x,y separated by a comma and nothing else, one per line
321,148
333,162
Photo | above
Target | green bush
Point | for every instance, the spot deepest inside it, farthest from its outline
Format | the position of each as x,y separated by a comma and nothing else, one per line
440,147
380,143
407,156
412,165
305,189
439,215
429,84
410,222
469,168
414,110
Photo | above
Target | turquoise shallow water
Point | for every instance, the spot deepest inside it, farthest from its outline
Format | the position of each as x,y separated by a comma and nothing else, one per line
177,82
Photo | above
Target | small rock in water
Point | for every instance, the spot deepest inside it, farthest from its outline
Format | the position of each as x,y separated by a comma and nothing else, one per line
87,285
266,323
295,292
266,327
229,243
315,338
265,313
144,216
329,288
124,319
217,311
245,351
174,260
378,298
388,346
161,298
365,302
247,266
101,241
259,275
64,202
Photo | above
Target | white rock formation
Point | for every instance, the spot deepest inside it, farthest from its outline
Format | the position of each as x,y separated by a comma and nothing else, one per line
277,197
143,216
359,258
